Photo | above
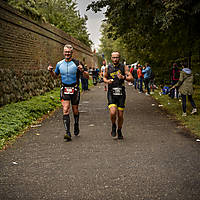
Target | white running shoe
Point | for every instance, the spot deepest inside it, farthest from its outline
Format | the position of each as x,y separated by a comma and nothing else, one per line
194,110
184,114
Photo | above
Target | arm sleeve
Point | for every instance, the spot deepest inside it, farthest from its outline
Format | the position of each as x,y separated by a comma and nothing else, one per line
180,81
144,71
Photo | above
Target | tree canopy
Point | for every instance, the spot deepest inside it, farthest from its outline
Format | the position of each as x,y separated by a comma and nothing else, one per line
61,13
154,31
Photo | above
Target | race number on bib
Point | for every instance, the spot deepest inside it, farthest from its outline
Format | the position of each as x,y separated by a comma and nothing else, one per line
117,91
68,90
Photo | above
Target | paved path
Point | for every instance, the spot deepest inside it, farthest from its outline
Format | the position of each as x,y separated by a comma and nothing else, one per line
154,161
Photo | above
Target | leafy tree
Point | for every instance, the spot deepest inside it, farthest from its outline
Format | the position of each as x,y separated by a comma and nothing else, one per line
60,13
156,31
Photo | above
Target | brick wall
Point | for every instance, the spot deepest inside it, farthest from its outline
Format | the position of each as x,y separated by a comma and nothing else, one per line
26,46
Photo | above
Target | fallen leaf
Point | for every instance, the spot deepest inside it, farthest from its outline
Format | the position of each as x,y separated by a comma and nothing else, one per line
37,125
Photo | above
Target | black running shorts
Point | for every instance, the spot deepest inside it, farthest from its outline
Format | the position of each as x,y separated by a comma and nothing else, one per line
116,100
74,98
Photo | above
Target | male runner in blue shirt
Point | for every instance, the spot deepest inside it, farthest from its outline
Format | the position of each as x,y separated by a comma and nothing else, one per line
70,70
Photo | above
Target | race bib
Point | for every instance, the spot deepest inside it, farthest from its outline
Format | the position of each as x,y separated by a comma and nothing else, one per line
68,90
117,91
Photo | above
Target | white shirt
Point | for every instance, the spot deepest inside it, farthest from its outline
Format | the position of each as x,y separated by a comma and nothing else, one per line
103,68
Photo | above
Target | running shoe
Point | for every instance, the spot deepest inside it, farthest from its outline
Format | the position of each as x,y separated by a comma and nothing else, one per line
68,136
184,114
194,110
113,132
120,136
76,130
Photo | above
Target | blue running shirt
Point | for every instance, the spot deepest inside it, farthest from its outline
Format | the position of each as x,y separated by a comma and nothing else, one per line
68,71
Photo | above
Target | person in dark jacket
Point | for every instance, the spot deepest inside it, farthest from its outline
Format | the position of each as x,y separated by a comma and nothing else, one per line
135,77
84,81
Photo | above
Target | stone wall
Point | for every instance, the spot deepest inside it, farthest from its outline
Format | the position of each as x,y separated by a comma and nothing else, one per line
21,85
26,49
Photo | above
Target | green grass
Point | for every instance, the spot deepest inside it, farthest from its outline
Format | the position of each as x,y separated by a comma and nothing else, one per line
15,117
174,107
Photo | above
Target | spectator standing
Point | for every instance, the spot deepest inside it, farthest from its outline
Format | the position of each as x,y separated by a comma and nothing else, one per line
140,78
90,71
97,72
152,84
185,84
103,68
147,73
84,80
94,76
135,76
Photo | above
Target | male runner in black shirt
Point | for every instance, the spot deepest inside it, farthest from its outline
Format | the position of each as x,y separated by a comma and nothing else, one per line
114,76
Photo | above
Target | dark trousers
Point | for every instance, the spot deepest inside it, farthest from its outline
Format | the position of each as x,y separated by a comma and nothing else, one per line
146,84
184,102
136,83
140,84
84,83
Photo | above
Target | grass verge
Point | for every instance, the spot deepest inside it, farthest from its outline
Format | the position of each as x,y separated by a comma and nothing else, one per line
16,117
174,108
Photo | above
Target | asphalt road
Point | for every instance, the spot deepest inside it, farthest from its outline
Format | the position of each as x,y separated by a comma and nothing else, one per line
156,159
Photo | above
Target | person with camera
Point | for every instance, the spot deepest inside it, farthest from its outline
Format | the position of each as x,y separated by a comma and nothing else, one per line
115,75
70,71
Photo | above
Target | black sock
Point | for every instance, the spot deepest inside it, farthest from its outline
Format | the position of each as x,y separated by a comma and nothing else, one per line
76,119
66,121
114,127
